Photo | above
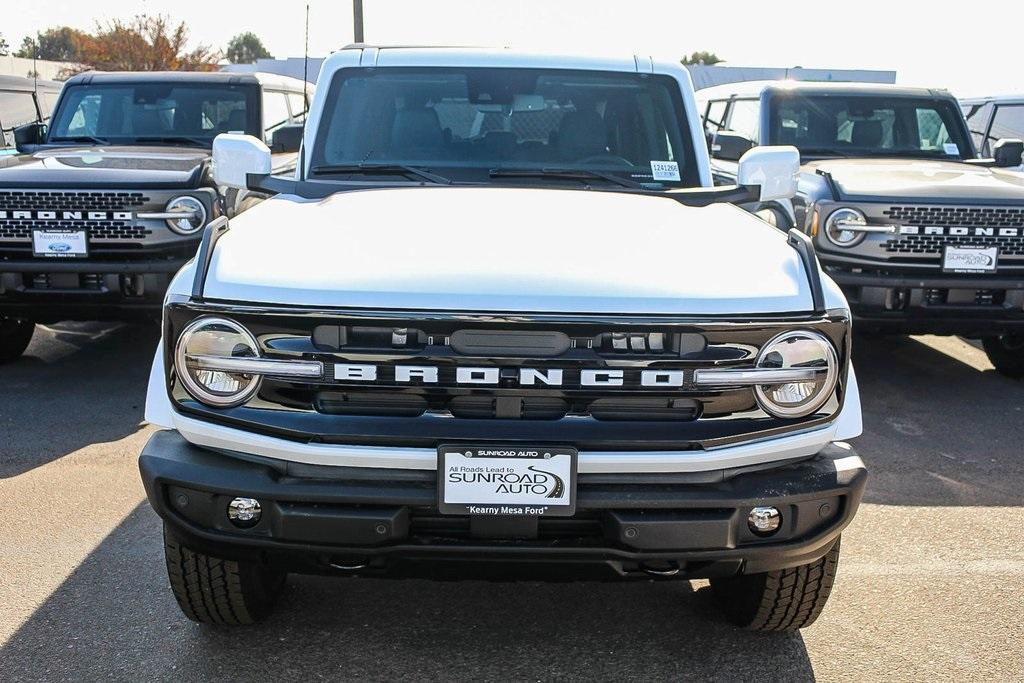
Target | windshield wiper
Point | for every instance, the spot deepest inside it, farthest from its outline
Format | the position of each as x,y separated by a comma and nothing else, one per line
565,173
81,138
172,139
824,152
383,169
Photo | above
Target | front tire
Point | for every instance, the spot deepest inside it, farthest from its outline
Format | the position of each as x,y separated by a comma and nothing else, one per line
783,600
1006,353
15,335
212,590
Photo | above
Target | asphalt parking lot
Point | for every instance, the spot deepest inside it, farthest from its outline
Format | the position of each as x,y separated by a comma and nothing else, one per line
930,584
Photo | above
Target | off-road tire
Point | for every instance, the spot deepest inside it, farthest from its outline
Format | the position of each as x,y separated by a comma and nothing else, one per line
1006,353
15,335
783,600
212,590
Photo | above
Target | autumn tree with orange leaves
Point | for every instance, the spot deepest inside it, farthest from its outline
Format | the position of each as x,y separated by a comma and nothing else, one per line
144,43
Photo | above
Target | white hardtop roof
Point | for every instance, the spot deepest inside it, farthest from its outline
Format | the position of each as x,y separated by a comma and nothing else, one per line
997,99
384,56
755,88
278,81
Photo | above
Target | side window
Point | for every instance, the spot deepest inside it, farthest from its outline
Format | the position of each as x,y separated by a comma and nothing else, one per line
297,106
744,118
977,116
931,130
714,118
275,112
1008,122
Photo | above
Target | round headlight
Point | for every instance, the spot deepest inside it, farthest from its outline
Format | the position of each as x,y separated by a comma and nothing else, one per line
193,215
798,350
212,338
836,227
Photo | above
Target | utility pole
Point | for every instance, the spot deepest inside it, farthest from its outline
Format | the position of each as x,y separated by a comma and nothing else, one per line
357,20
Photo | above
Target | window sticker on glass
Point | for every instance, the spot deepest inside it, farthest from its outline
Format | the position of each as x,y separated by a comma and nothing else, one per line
665,170
951,149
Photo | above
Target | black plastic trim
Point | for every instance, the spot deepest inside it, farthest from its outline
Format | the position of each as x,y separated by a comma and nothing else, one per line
316,189
213,232
803,245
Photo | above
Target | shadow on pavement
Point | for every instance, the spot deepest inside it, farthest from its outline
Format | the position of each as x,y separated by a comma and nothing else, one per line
114,617
78,384
937,431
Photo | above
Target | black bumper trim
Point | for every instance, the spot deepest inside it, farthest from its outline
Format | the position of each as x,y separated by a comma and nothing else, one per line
309,523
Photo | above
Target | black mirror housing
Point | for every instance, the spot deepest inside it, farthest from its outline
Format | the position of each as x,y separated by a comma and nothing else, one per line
286,139
1008,152
28,135
730,146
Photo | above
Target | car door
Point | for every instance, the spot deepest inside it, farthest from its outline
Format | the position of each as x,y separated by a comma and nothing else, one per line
1007,122
277,113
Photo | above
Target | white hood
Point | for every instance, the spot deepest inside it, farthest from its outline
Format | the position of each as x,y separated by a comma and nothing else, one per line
508,250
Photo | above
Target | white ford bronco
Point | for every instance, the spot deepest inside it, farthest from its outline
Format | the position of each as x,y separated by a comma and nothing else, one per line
501,314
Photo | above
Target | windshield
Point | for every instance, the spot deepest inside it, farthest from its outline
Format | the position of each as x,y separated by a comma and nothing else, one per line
469,122
154,112
854,125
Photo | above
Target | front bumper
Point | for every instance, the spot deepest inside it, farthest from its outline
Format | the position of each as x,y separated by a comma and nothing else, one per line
45,291
318,519
967,305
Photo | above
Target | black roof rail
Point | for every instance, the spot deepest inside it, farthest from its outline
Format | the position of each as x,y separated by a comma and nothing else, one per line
213,232
805,248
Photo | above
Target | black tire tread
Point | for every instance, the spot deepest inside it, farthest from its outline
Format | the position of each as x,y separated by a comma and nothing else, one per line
15,336
1006,361
212,590
783,600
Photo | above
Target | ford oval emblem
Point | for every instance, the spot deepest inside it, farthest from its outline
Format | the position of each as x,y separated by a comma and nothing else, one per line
60,247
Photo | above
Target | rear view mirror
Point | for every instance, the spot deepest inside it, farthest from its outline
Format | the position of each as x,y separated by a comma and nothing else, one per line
1007,152
235,156
29,134
729,145
286,139
775,170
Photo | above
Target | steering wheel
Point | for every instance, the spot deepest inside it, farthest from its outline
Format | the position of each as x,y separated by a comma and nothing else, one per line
597,158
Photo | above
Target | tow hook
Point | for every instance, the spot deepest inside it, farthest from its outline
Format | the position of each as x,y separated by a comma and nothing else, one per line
669,569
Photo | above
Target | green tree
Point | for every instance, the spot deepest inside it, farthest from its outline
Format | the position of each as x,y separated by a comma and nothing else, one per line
246,48
702,57
59,44
5,47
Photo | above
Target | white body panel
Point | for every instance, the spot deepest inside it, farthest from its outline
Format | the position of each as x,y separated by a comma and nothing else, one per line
506,250
501,249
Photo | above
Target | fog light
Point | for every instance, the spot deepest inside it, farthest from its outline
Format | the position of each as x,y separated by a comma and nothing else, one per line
764,521
244,512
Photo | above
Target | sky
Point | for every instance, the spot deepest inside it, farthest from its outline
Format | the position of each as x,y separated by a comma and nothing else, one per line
925,43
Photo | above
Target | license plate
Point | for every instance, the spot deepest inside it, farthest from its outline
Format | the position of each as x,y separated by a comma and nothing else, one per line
968,259
506,480
60,243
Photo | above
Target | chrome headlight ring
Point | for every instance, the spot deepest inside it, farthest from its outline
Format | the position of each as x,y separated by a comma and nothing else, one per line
798,350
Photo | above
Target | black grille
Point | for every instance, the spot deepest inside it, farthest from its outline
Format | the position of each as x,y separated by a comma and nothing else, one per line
967,216
21,229
993,218
42,200
933,244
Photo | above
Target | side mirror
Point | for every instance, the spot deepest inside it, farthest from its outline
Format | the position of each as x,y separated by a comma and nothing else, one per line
730,146
29,134
235,156
1008,152
286,139
775,170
